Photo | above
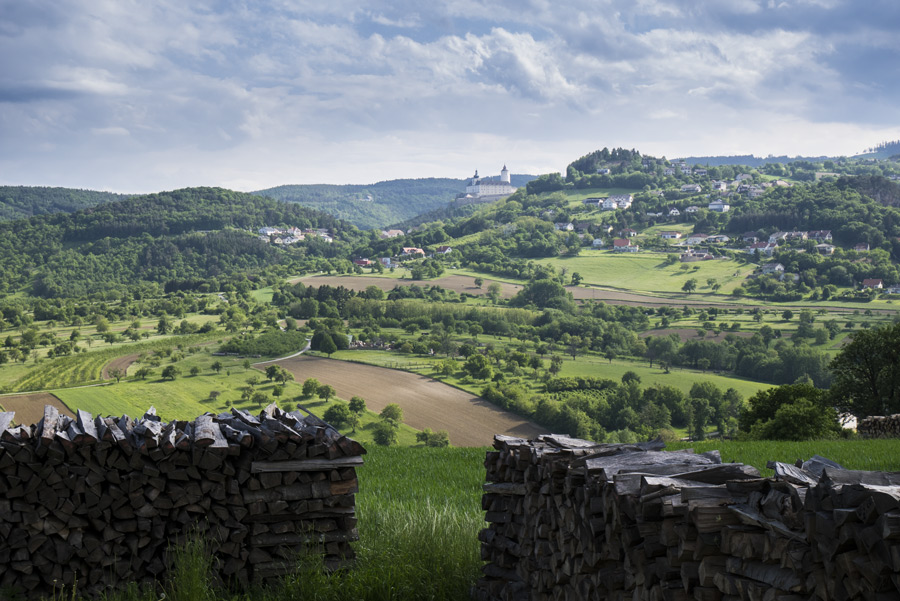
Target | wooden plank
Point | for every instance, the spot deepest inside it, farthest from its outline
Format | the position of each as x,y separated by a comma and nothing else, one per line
304,465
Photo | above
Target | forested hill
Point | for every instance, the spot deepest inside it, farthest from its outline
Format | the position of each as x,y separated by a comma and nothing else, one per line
18,202
378,205
178,240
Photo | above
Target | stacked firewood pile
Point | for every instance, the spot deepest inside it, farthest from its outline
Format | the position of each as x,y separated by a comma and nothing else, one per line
570,520
105,500
879,426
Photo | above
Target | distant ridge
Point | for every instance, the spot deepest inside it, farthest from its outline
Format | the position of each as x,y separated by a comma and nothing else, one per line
19,202
380,204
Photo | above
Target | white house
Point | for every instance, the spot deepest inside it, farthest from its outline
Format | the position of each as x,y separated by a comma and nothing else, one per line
669,171
766,248
718,238
597,243
617,201
603,171
691,188
873,283
692,209
564,227
670,235
622,245
719,207
674,212
773,268
391,233
697,238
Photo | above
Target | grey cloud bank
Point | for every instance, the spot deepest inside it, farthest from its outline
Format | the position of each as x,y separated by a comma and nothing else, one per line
135,96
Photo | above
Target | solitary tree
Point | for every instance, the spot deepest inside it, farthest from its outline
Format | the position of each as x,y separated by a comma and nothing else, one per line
393,412
338,415
169,372
326,391
867,373
690,285
310,387
327,345
216,366
357,405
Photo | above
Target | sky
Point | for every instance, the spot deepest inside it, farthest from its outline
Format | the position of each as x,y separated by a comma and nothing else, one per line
150,95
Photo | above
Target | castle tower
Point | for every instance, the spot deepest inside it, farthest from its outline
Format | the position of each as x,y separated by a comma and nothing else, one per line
504,174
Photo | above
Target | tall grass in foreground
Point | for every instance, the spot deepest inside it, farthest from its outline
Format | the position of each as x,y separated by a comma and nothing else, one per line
419,515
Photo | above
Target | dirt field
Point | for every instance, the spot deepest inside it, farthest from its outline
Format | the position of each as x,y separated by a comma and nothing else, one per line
426,403
122,363
29,408
457,283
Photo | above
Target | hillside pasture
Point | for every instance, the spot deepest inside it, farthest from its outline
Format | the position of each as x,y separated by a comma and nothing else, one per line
427,403
647,272
683,379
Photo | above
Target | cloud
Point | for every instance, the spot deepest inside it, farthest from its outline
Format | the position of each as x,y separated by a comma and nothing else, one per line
194,93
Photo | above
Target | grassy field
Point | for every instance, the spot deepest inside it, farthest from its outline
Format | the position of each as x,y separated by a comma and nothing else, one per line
85,367
647,272
682,379
189,396
582,365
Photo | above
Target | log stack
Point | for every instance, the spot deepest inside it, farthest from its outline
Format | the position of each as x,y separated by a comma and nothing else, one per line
879,426
571,520
104,500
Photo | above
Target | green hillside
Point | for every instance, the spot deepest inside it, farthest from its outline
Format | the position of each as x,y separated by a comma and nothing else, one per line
187,239
18,202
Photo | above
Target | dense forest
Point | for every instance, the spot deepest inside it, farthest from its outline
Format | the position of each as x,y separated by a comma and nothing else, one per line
171,240
18,202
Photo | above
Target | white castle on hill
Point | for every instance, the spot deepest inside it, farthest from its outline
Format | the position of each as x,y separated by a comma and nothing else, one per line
484,189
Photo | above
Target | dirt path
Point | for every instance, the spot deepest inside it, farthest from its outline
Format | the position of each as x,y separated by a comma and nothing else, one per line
29,407
122,363
427,403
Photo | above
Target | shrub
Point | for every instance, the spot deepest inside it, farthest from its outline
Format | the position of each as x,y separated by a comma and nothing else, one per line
441,438
385,433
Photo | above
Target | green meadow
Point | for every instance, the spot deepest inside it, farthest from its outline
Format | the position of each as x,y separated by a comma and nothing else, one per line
648,273
188,396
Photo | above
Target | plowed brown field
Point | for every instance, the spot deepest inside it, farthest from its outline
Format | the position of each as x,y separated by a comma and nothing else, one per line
29,408
470,420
